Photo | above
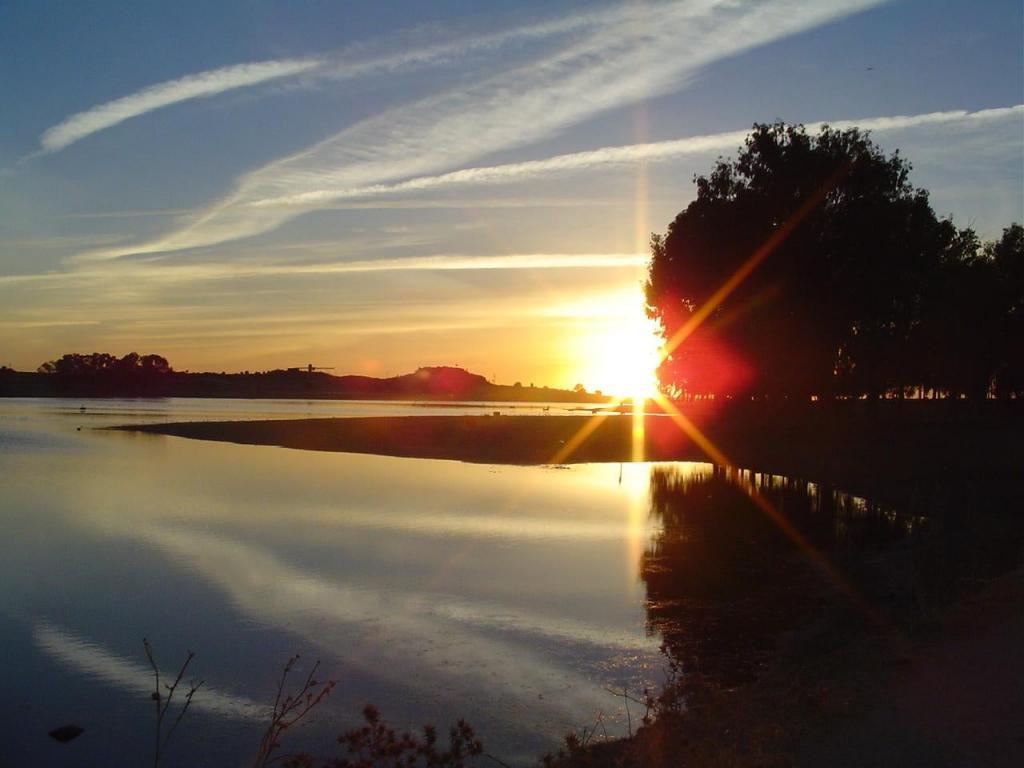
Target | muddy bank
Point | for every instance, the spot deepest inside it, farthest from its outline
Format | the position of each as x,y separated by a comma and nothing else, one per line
847,446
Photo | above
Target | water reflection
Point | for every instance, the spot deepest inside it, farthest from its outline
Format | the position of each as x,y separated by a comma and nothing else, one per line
88,658
724,577
509,595
375,629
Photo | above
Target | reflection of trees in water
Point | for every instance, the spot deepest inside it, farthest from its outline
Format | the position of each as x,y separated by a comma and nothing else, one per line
723,579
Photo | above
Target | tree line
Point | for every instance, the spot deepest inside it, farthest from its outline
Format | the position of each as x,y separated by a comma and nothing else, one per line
810,266
104,366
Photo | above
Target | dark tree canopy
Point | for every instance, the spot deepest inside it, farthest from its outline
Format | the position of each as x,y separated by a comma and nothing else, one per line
104,365
854,280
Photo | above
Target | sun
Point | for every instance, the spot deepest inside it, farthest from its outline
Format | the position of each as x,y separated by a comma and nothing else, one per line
625,363
620,352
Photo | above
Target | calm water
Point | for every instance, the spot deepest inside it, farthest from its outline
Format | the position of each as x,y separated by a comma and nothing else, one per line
508,595
512,596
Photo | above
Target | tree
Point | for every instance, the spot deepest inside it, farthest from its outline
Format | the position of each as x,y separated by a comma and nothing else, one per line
821,244
154,365
100,373
1007,256
969,340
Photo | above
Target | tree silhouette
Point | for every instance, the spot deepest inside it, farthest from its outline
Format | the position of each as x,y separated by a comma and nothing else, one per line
723,579
1007,256
101,373
834,262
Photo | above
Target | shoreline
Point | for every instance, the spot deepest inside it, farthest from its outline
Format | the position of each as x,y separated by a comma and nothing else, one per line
487,439
844,446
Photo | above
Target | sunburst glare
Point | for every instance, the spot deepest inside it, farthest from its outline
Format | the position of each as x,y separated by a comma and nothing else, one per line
621,355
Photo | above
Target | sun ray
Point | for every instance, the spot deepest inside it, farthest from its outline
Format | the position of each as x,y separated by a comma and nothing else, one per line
638,432
691,431
755,259
817,558
588,428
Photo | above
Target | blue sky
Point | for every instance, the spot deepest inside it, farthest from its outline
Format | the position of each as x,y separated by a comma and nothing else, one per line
377,186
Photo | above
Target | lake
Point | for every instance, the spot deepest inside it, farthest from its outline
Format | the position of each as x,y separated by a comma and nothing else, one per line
518,597
433,589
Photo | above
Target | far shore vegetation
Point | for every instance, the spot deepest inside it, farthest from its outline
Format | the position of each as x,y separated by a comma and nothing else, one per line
100,374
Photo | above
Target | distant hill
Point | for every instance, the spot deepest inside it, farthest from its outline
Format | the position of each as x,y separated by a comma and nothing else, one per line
428,383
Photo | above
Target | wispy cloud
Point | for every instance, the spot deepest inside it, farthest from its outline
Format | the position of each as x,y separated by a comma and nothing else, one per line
165,273
195,86
628,54
633,153
582,161
128,214
345,65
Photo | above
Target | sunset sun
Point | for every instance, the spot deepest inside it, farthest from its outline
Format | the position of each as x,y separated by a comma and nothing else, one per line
621,355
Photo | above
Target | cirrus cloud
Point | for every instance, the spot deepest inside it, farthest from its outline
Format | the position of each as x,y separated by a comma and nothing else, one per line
625,56
195,86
